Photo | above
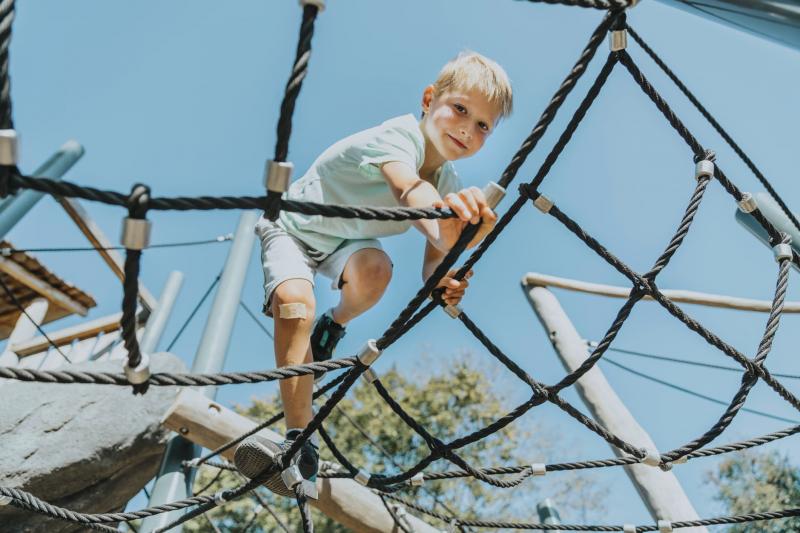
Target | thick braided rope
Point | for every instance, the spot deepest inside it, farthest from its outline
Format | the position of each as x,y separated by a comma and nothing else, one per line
716,125
604,5
6,18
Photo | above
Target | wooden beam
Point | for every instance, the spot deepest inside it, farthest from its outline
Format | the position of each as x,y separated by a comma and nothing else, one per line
41,287
677,296
83,331
98,239
211,425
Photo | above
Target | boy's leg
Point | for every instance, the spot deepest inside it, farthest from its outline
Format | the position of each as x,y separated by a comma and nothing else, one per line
293,309
363,281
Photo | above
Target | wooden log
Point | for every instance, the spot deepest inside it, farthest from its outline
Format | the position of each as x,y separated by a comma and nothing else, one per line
98,239
37,284
83,331
660,491
677,296
209,424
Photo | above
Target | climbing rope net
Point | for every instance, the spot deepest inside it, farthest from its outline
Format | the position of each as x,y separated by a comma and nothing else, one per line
136,235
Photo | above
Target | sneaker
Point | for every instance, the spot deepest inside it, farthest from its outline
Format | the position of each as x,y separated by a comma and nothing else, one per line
324,338
256,454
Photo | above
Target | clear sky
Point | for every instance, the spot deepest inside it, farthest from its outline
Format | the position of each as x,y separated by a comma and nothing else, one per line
184,96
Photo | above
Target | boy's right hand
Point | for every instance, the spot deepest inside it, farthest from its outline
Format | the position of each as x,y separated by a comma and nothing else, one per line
471,207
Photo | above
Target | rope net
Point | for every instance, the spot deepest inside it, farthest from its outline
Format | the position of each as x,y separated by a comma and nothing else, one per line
140,201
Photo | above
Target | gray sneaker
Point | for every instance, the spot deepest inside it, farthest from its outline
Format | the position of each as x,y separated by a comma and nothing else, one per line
256,454
324,337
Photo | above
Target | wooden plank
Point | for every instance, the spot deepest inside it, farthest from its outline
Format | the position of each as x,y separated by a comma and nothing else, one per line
677,296
30,280
211,425
98,239
83,331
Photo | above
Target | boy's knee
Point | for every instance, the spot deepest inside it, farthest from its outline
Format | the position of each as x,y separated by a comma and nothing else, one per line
375,269
294,299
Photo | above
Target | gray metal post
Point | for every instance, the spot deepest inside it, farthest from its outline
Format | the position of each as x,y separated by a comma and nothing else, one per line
13,208
172,482
157,320
548,514
772,212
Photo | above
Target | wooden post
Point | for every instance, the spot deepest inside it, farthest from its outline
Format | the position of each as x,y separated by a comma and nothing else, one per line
24,329
210,425
660,491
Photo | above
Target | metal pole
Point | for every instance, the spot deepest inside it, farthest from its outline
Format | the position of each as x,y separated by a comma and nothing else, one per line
173,481
13,208
548,514
158,318
660,491
772,212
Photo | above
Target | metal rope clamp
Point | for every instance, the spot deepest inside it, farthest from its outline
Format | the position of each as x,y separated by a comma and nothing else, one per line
9,148
782,251
277,175
5,500
453,310
664,526
362,477
704,168
651,458
628,528
219,497
369,353
494,194
370,376
618,40
141,373
418,480
319,3
292,477
747,204
538,469
136,233
543,203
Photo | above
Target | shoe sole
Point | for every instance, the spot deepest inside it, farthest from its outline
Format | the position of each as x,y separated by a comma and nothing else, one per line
255,455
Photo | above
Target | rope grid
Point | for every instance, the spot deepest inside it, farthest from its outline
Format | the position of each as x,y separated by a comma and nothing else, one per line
140,201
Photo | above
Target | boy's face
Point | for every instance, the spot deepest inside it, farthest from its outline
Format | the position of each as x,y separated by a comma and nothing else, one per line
458,122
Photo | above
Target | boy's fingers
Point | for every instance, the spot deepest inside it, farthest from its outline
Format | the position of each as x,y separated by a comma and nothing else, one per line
455,203
469,199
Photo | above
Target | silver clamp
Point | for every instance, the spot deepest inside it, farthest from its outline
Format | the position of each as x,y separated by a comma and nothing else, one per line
538,469
362,477
453,310
680,460
651,458
277,175
194,463
141,373
319,3
135,233
618,40
219,497
292,477
747,204
369,353
543,203
704,168
5,500
418,480
664,526
9,147
369,376
782,251
628,528
493,193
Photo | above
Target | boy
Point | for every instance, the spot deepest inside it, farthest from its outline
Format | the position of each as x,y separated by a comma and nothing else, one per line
404,162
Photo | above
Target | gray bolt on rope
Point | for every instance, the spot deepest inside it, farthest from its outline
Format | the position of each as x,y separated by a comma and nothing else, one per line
277,176
538,469
362,477
369,375
618,40
319,3
417,480
369,353
747,204
664,526
9,156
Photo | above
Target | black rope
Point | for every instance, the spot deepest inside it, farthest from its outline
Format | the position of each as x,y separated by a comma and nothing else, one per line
6,18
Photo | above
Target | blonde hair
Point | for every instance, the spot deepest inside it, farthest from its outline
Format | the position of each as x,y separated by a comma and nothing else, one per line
472,71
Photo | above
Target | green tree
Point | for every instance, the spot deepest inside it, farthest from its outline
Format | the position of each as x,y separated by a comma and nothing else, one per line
752,482
449,402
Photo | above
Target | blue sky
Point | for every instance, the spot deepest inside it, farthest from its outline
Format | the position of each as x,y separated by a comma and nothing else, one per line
185,96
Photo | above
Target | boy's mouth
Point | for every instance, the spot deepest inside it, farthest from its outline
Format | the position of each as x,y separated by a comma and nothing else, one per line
457,142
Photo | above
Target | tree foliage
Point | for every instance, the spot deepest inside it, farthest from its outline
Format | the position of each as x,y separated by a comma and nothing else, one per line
752,482
449,403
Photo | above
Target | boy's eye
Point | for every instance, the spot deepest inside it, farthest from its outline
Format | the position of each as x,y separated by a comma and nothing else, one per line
483,126
460,108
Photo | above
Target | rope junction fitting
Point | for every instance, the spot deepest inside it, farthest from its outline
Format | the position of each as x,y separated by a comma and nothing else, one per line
278,175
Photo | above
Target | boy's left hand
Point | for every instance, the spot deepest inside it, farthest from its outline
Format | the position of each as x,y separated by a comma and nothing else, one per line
453,288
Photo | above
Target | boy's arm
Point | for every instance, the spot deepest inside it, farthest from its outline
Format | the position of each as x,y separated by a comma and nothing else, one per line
412,191
453,289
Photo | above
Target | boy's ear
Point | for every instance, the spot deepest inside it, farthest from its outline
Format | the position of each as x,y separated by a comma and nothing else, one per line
427,98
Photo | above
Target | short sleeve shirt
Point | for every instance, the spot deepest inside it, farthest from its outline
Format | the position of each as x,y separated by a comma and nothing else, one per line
349,173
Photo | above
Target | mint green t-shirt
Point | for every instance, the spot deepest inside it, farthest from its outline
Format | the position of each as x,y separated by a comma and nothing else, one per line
349,173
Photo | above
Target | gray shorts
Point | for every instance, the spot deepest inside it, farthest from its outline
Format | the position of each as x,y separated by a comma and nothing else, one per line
284,256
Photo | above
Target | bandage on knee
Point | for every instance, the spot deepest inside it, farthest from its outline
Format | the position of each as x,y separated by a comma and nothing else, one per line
295,310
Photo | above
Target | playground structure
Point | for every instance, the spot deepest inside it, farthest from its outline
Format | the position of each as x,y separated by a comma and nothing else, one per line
207,374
